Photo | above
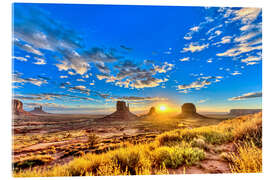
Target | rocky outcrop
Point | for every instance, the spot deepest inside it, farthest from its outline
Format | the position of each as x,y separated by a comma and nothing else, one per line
122,113
38,110
17,108
189,111
240,112
152,111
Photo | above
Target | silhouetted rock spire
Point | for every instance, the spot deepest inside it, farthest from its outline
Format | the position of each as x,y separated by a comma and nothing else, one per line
122,113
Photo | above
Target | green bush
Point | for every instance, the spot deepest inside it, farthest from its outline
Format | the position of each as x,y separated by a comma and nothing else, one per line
175,156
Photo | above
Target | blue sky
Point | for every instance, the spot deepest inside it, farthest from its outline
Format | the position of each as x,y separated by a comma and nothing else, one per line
83,58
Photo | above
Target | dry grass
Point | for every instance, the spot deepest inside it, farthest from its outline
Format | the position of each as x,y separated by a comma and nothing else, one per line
248,159
169,150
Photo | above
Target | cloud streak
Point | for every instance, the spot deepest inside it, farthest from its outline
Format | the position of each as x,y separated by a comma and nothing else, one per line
246,96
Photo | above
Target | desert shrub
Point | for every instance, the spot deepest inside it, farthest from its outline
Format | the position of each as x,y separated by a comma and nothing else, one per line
86,164
92,139
32,161
175,156
133,159
110,169
210,135
200,143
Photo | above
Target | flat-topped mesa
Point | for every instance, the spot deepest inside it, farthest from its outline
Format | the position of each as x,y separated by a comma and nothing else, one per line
189,111
17,108
188,108
122,113
38,110
240,112
121,106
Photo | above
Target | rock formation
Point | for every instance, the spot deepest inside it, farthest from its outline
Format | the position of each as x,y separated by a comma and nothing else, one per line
38,110
152,111
122,113
17,108
189,111
240,112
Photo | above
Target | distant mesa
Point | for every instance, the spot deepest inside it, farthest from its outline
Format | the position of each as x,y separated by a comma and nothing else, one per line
17,108
38,110
189,111
240,112
122,113
152,111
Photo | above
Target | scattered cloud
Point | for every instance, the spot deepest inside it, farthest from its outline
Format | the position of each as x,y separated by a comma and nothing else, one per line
251,60
137,99
40,61
26,47
50,96
201,82
192,47
236,73
132,76
17,78
184,59
246,15
246,96
80,80
209,61
202,101
62,77
20,58
195,28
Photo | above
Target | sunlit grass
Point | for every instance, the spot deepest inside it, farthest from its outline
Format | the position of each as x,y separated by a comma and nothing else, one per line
247,159
171,149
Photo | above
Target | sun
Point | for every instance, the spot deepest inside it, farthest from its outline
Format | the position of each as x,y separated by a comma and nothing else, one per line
162,108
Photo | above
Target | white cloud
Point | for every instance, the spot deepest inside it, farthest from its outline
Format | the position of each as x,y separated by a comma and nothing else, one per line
236,73
184,59
218,32
80,80
71,73
195,28
246,37
63,77
40,61
209,61
20,58
226,39
251,58
164,68
187,37
246,15
246,96
193,47
251,63
240,49
202,101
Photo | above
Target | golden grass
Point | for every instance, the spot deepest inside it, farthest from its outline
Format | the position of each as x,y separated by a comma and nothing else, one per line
248,159
169,150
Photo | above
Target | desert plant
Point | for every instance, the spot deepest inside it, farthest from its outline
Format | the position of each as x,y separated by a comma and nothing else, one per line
176,156
248,159
92,140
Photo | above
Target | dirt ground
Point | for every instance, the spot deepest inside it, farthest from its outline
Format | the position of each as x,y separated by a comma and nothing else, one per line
64,137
